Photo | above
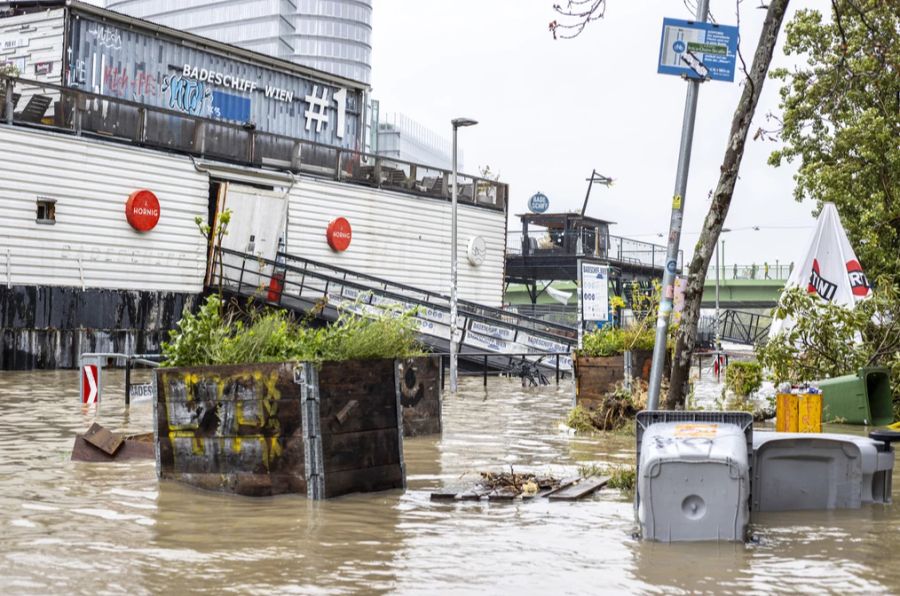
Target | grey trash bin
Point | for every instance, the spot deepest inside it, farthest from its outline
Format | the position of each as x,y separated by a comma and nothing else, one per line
693,476
795,471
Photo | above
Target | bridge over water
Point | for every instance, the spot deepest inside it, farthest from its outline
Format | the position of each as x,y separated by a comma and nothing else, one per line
746,286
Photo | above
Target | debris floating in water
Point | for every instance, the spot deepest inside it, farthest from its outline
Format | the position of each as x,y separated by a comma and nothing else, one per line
508,486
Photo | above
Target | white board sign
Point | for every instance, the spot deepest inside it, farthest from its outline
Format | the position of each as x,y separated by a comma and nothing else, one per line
139,392
492,330
594,292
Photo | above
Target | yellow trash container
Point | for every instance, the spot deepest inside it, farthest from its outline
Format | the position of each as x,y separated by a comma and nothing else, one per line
798,413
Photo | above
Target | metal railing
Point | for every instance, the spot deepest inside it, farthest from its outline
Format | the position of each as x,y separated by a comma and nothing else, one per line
555,313
778,271
81,112
615,249
744,327
306,285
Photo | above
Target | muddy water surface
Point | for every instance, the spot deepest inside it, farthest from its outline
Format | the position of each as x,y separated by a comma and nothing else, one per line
111,528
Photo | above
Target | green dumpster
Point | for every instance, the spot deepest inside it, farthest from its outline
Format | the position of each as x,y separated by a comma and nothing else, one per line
863,398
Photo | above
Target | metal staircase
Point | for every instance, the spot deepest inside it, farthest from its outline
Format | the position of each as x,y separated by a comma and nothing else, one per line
488,335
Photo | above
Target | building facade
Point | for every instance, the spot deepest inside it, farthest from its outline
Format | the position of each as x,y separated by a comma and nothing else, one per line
110,108
334,36
401,137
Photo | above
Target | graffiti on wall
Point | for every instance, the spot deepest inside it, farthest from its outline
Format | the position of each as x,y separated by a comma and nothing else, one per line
187,95
107,37
116,81
132,63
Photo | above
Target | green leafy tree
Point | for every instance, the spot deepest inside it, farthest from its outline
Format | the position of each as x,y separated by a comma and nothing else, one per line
828,340
841,120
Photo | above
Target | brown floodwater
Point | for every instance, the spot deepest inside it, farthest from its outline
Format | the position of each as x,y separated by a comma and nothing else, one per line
114,528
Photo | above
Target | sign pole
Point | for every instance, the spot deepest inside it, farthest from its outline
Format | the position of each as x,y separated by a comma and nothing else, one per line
580,306
668,287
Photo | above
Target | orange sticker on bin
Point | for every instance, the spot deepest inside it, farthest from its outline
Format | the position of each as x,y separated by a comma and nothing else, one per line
690,431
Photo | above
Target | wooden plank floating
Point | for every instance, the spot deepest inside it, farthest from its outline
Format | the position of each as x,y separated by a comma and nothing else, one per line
579,490
568,489
564,483
103,440
132,447
321,429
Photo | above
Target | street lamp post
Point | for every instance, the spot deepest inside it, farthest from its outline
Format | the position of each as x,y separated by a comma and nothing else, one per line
718,337
454,321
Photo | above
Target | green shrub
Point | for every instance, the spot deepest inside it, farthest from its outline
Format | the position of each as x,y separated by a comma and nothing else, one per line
199,337
828,340
743,377
581,420
216,336
609,340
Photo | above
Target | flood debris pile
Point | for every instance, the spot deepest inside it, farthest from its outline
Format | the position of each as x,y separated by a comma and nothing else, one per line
509,486
612,411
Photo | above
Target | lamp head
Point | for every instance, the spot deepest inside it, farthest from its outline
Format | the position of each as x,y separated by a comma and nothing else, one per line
460,122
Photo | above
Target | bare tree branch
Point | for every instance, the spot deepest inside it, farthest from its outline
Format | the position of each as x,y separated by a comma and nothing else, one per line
578,13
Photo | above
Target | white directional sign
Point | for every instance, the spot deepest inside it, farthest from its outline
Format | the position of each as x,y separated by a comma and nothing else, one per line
594,292
140,392
90,382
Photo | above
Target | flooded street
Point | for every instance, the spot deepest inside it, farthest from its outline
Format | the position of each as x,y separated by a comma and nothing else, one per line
113,528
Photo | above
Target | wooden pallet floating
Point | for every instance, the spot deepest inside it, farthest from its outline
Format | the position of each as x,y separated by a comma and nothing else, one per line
569,489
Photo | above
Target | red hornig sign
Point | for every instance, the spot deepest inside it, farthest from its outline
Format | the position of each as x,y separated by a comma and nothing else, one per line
142,210
339,234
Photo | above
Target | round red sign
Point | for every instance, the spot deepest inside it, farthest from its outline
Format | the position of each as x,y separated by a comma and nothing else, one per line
142,210
339,234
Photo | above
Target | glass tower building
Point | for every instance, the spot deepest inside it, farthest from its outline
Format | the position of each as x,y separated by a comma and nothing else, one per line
334,36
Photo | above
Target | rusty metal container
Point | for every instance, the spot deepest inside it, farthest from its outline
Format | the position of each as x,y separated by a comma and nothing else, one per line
322,430
595,376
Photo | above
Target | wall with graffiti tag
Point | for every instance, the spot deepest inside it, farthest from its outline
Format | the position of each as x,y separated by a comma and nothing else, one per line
133,64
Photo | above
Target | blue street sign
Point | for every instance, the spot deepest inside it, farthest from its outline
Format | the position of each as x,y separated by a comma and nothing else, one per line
538,203
698,50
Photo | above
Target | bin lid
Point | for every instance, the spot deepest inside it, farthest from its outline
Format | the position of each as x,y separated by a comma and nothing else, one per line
694,441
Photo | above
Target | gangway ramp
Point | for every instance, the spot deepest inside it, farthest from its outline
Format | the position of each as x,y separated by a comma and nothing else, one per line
306,286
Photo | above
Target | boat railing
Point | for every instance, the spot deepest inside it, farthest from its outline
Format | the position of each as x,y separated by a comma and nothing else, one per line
46,105
615,249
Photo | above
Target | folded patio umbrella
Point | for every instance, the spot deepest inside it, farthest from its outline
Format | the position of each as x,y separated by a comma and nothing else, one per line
829,268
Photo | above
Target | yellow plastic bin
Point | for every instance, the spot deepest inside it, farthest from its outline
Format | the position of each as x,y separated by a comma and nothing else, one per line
798,413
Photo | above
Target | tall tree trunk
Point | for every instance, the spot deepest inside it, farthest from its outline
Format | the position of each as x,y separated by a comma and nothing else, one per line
687,332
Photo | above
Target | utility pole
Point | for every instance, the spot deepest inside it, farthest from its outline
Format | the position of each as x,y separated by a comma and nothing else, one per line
681,178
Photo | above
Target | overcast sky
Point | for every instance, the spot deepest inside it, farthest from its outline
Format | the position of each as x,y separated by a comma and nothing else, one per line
550,111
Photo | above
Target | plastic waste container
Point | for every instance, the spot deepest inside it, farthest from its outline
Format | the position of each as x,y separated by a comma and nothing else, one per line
693,475
863,398
794,471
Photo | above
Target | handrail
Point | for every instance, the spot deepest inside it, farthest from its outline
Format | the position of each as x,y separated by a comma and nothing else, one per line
198,145
400,285
762,271
546,329
537,328
615,249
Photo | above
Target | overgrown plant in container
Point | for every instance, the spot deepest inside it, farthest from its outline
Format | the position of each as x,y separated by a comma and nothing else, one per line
600,363
257,403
